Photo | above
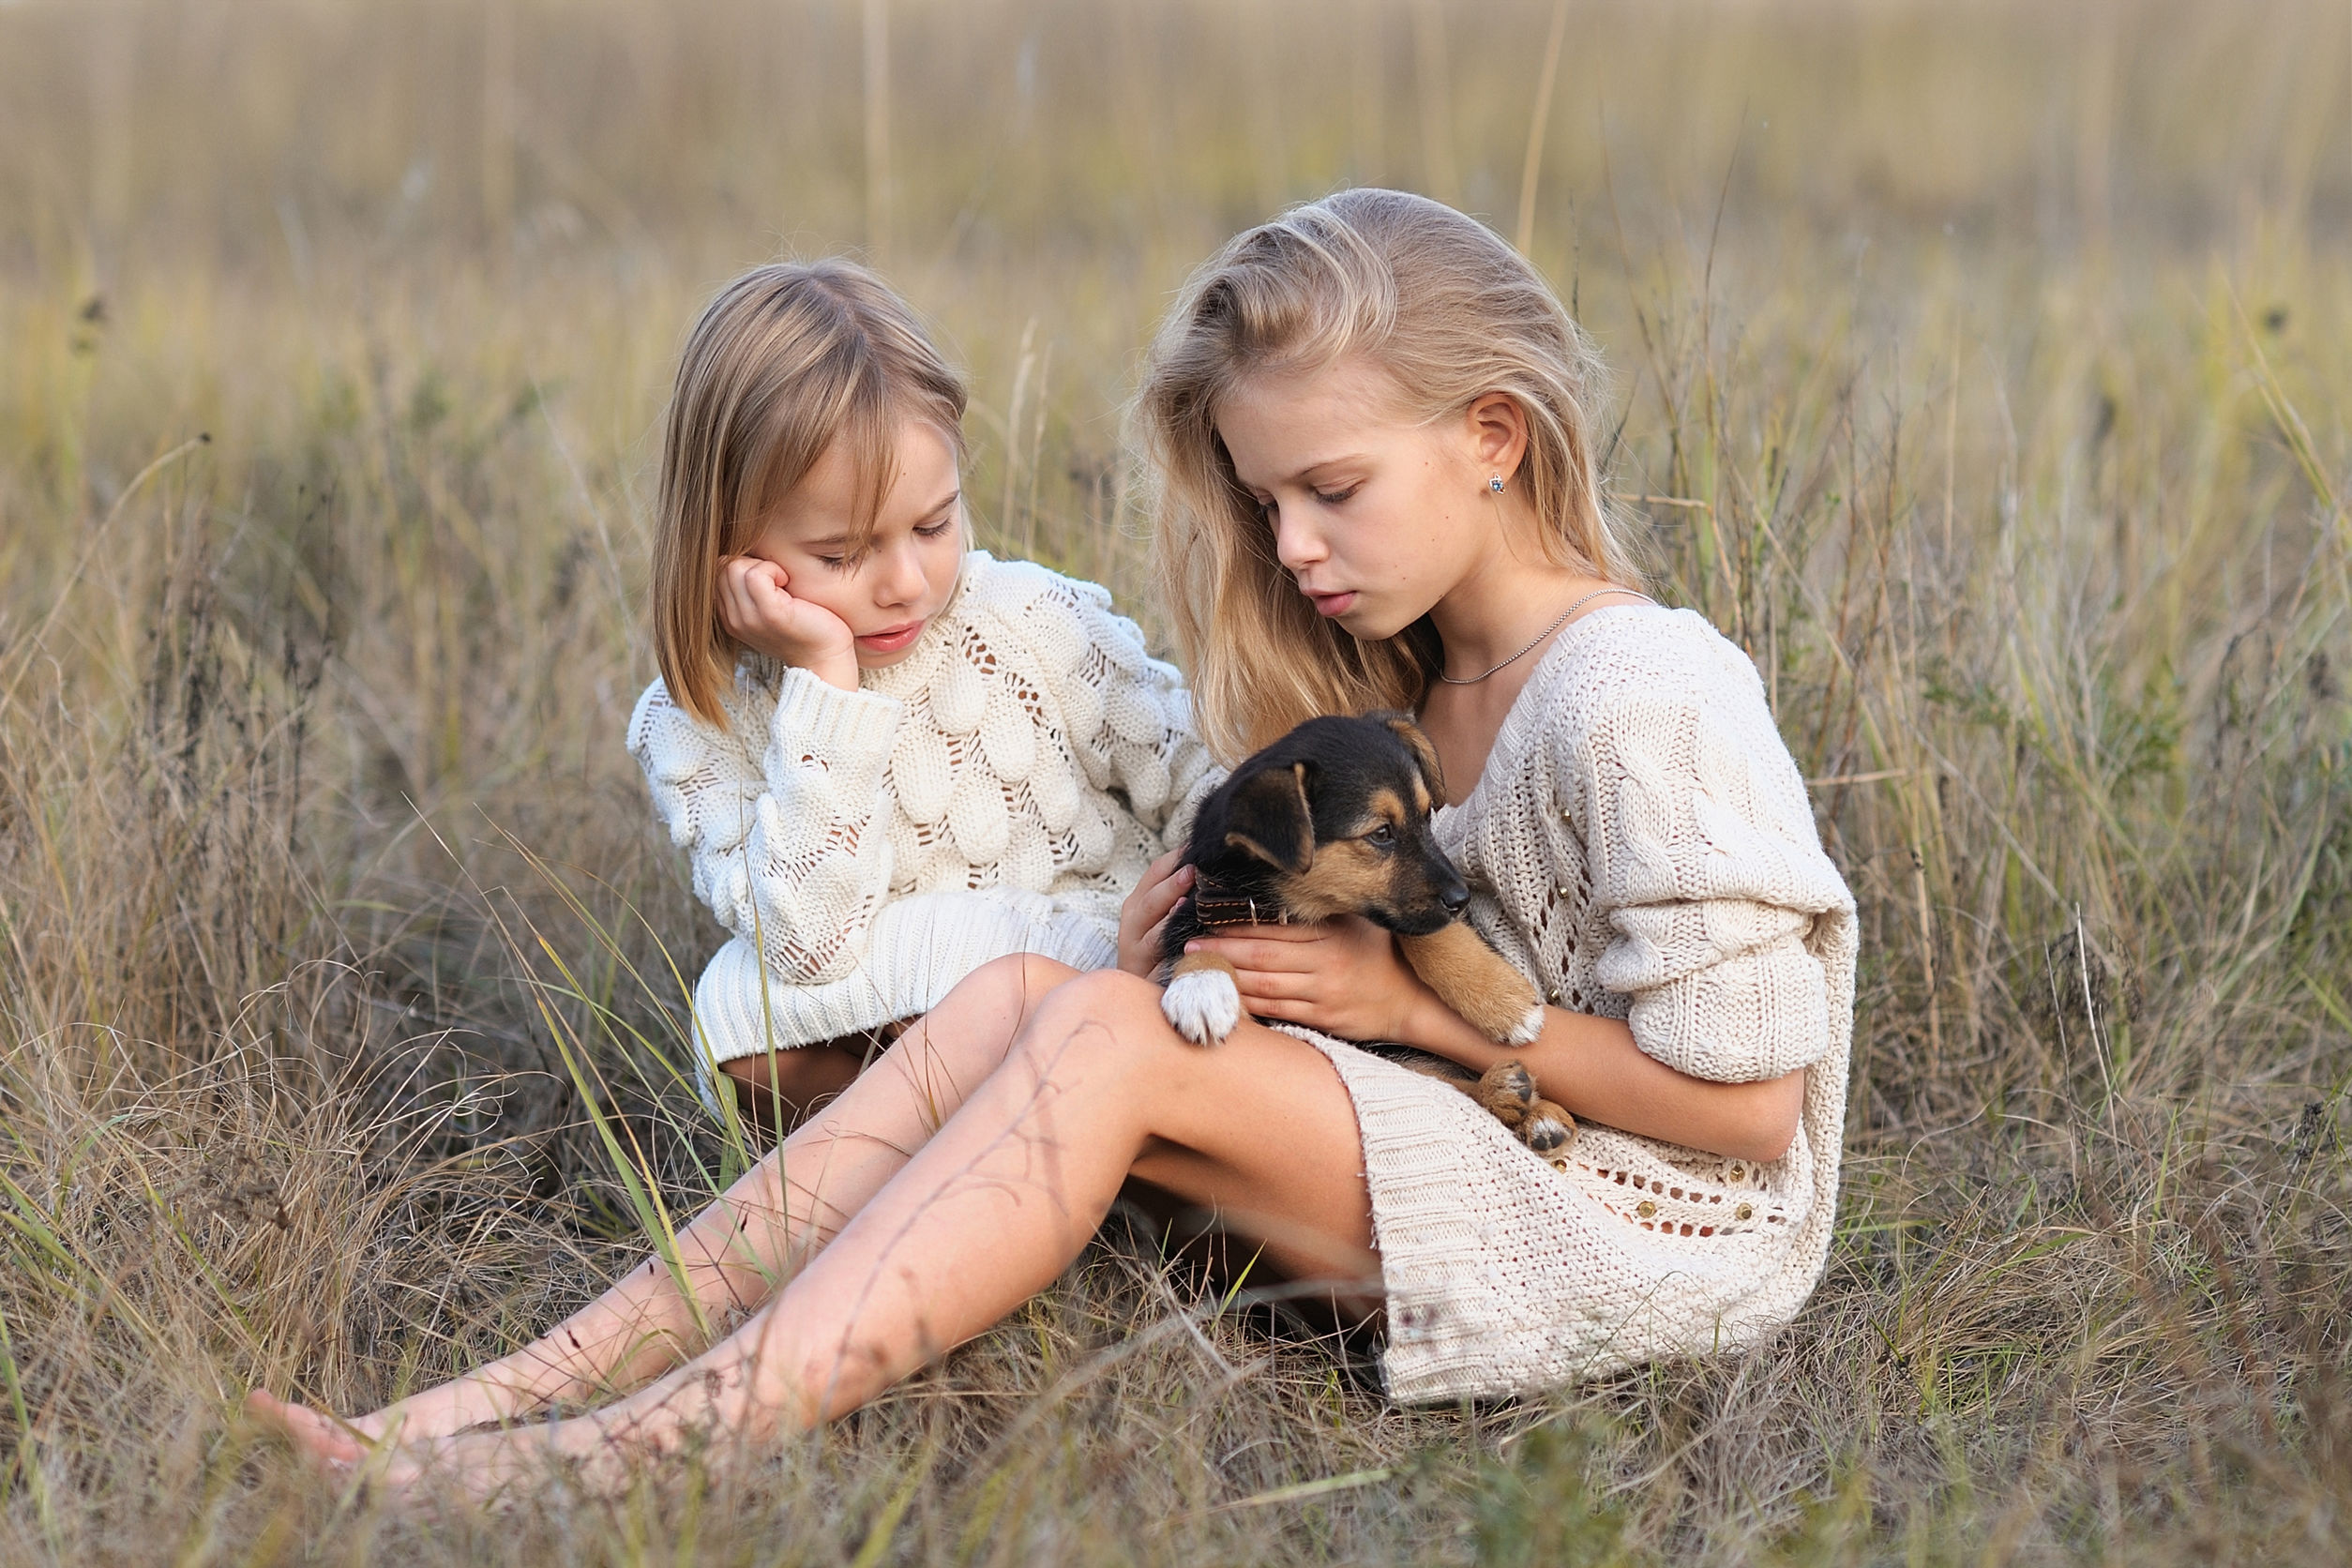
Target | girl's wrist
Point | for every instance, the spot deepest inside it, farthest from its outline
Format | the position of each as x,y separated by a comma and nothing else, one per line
1440,1030
838,669
839,672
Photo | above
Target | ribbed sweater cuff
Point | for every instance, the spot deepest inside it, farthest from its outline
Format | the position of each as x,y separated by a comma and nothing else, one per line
850,729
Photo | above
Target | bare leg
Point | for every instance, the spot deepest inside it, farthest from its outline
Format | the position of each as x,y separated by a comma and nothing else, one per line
737,1251
994,1207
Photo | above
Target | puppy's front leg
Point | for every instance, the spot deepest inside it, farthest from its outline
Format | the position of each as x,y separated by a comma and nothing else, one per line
1201,1000
1476,982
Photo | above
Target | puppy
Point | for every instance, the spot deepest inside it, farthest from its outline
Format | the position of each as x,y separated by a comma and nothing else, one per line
1330,820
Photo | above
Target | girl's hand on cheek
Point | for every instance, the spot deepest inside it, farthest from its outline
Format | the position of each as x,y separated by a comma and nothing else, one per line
757,610
1344,978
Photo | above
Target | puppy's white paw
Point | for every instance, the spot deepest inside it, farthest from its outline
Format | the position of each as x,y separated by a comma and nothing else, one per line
1528,1028
1203,1005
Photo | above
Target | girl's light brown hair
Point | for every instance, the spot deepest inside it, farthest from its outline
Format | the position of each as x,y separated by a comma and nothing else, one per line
788,360
1452,313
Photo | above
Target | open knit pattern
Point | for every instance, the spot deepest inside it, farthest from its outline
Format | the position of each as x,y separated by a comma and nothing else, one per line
1640,844
997,791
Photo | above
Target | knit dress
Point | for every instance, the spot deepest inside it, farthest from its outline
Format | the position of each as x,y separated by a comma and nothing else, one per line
1641,845
999,791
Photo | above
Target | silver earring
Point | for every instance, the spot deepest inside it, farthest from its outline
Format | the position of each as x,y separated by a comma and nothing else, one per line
1494,484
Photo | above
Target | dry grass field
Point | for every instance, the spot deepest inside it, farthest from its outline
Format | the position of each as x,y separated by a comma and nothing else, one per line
1983,369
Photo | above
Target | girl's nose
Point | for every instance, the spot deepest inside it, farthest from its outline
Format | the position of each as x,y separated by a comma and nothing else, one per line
900,580
1296,544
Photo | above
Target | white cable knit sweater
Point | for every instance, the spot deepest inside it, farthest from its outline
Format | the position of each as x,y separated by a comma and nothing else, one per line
1640,844
997,791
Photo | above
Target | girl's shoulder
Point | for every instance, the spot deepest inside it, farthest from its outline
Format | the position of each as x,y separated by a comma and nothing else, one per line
1013,586
1648,650
1057,617
1611,678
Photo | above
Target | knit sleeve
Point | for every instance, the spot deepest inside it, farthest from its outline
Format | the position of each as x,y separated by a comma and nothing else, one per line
1128,716
1702,852
779,824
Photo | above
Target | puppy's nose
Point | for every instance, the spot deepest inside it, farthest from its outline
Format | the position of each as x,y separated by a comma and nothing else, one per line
1455,896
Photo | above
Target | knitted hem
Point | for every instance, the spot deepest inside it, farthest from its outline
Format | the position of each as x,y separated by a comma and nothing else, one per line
1409,1156
1436,1171
919,948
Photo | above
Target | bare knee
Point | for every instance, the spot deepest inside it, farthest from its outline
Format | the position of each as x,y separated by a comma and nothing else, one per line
1105,1012
967,1035
1014,984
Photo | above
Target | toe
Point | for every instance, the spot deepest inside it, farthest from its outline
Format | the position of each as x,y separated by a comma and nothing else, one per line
317,1437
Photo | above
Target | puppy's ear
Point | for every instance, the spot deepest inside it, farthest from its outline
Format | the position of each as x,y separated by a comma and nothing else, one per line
1268,817
1424,755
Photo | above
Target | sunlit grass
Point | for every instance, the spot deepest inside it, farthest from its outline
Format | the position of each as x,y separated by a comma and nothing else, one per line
1983,370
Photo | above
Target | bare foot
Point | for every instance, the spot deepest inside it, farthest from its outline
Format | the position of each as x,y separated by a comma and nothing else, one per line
324,1441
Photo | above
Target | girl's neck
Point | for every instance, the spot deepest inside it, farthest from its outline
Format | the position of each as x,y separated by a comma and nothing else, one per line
1507,601
1505,608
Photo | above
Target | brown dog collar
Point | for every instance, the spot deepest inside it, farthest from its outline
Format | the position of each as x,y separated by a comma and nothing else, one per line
1214,906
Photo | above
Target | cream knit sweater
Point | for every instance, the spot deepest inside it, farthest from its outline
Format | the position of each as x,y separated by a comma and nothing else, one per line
997,791
1641,846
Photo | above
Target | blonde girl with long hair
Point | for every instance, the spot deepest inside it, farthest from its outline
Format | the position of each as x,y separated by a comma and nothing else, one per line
1373,428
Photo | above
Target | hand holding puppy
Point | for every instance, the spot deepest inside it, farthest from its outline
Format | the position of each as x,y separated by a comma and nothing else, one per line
1343,976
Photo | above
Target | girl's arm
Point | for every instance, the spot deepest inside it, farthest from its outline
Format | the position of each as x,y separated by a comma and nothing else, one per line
1686,818
777,812
1593,1068
1345,977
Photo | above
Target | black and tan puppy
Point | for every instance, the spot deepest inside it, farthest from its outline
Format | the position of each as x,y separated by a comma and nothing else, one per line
1332,820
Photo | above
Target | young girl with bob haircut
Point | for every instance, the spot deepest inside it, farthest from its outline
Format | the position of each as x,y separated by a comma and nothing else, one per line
1373,430
891,759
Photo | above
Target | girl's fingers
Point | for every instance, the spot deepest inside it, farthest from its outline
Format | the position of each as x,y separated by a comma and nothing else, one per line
1311,930
736,610
1148,905
730,597
1257,986
767,600
1166,892
1280,1007
1264,955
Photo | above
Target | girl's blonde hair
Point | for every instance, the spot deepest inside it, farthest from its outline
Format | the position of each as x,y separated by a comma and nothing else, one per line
1452,313
788,360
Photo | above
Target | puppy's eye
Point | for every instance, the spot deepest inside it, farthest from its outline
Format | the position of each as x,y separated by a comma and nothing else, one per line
1383,836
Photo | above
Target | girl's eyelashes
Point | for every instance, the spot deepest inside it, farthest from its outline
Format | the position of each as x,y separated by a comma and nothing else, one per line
1268,510
848,562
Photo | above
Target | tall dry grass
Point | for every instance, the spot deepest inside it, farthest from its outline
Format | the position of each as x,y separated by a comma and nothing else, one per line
1983,370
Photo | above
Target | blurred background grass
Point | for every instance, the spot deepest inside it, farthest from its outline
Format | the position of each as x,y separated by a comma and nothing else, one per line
1982,367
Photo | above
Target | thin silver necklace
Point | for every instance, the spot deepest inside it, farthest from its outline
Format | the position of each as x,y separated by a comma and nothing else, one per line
1597,592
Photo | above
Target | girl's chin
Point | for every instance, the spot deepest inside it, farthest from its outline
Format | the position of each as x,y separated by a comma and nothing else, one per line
1369,623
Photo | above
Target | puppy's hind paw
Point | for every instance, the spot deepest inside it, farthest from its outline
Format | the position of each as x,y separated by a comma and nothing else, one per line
1548,1129
1529,1027
1507,1089
1204,1006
